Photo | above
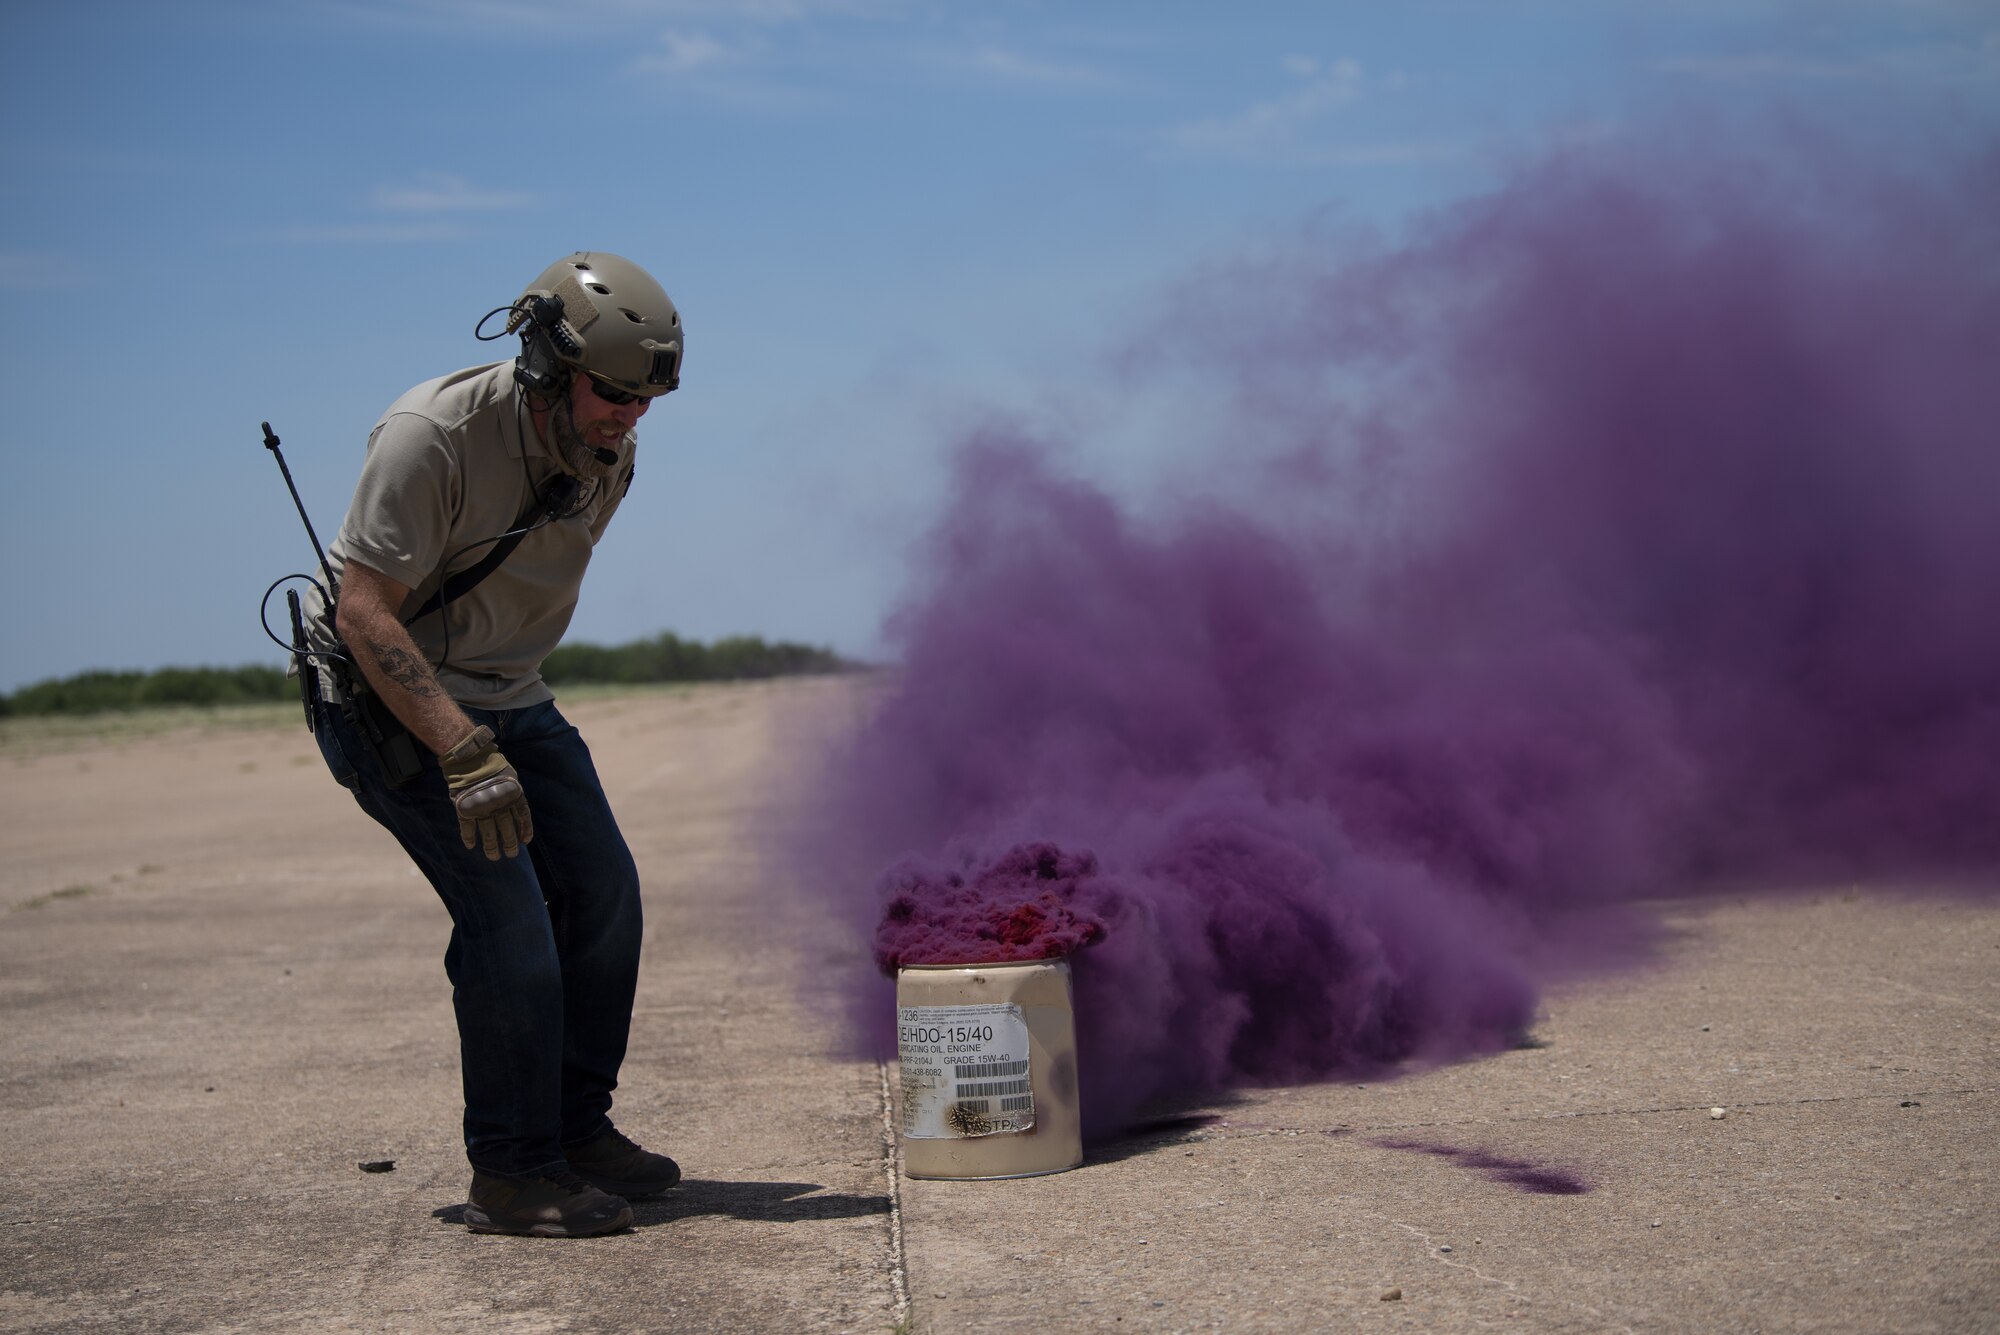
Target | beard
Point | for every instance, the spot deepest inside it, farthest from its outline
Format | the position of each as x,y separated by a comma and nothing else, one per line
580,457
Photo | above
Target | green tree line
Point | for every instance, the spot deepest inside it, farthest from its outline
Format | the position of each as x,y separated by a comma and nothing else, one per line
663,658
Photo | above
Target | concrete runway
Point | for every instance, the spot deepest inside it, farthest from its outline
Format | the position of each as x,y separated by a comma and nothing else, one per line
221,991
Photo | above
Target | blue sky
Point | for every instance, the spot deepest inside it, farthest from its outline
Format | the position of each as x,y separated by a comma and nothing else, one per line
880,218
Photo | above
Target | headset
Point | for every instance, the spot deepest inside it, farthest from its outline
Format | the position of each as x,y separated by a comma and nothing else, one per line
540,368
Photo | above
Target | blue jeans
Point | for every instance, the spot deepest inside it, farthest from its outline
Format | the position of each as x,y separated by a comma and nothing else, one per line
544,953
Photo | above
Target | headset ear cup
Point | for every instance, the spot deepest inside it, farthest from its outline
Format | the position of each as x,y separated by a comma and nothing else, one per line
538,370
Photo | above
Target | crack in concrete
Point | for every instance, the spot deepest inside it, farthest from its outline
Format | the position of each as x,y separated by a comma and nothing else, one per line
1432,1243
1253,1130
1507,1284
1942,998
899,1277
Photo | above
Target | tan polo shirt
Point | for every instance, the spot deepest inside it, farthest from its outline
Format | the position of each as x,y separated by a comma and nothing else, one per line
453,461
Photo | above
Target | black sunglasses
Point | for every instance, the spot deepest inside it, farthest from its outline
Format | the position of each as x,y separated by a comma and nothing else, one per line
610,393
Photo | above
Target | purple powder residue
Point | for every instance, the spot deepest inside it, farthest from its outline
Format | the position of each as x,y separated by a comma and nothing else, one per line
1631,531
1021,907
1522,1173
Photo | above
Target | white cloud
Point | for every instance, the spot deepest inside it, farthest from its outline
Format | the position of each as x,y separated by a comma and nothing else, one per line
684,53
1934,63
442,192
371,233
1277,127
1013,67
484,16
770,11
737,73
1762,65
1392,153
591,20
426,204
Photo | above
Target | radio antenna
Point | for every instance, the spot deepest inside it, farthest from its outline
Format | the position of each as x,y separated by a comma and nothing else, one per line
271,444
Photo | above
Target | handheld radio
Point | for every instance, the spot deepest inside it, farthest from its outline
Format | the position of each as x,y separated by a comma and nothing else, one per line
385,735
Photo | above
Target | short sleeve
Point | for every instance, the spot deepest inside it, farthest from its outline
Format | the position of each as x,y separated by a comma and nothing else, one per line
409,490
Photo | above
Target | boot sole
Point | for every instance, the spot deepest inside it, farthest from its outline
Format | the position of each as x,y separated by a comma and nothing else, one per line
478,1221
631,1191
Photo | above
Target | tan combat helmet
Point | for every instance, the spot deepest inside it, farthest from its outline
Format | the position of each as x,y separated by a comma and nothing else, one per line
617,323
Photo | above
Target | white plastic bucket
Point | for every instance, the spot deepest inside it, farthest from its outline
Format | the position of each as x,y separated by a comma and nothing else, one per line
989,1079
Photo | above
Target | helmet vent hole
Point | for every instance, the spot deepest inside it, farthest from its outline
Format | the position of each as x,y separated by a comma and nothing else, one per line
632,315
599,288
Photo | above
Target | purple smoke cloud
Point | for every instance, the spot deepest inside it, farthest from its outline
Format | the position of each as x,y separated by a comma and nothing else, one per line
1676,568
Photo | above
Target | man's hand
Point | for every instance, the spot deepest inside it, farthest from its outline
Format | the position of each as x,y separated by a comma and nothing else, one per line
487,793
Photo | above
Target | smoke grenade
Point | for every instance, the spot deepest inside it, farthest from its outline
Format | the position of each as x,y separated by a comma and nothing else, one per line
1624,533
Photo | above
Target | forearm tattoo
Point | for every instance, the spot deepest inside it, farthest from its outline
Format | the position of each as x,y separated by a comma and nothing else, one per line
406,669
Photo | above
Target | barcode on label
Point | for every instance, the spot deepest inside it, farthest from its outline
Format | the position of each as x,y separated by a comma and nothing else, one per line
965,1071
995,1087
987,1070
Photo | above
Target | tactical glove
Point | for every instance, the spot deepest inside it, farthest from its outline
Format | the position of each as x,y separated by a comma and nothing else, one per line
487,793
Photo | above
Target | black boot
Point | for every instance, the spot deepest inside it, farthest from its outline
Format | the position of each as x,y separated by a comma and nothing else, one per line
613,1163
555,1204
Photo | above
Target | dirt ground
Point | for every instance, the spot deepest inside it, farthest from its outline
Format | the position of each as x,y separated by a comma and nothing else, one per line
221,992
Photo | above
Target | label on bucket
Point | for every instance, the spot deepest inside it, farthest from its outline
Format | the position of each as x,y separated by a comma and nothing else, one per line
965,1071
